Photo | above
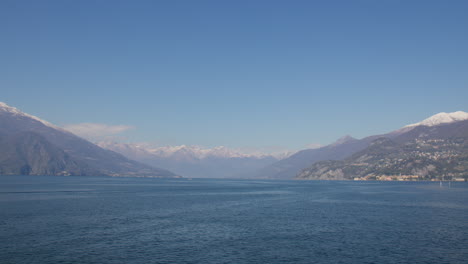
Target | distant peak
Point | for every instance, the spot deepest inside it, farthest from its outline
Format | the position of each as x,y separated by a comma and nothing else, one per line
343,139
192,151
442,118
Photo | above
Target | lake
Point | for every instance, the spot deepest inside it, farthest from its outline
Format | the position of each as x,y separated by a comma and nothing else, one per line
141,220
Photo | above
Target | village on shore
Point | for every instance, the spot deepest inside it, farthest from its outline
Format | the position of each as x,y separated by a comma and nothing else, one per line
406,178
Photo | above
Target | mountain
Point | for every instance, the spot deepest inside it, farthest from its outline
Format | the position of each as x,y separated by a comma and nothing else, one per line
426,152
442,118
288,168
30,145
28,153
195,161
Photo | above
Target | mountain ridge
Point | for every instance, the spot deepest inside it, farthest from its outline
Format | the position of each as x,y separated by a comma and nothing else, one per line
424,153
57,142
195,151
342,148
194,162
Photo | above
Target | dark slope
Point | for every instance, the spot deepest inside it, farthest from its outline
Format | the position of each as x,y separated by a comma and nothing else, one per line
91,159
28,153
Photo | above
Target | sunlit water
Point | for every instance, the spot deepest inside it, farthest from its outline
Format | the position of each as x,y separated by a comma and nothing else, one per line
127,220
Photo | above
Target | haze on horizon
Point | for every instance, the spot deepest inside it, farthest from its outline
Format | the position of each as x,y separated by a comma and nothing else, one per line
243,74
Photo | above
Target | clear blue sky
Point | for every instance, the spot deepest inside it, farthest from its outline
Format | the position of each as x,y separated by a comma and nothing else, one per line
236,73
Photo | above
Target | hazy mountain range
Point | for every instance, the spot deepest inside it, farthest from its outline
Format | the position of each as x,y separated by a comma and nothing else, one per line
434,146
195,161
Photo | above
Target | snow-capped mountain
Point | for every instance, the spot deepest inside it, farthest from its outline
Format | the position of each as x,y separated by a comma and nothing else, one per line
189,151
346,146
442,118
197,161
429,152
196,151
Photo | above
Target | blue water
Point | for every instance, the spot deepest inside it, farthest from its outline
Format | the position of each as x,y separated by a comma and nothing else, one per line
128,220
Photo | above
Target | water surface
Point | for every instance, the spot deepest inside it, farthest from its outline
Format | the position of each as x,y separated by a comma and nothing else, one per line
137,220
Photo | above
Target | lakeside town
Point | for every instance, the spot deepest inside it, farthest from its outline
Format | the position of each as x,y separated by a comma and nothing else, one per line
406,178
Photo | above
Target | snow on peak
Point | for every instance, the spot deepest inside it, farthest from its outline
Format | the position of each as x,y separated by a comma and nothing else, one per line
442,118
14,111
6,108
199,151
189,151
